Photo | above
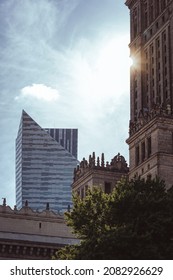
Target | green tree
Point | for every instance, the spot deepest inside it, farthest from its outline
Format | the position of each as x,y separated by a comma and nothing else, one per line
135,221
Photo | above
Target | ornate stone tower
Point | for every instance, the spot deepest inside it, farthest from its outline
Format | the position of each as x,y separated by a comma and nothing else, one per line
151,90
95,173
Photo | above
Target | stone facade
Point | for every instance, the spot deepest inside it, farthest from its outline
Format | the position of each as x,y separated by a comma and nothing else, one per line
151,152
95,173
26,234
151,90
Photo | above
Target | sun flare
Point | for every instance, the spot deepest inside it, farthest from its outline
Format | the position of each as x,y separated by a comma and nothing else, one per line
113,66
104,78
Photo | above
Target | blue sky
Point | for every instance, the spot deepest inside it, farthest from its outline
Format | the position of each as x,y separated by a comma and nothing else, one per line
66,63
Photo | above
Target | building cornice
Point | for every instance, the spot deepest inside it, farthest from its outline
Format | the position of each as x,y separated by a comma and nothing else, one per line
27,213
117,165
130,3
157,122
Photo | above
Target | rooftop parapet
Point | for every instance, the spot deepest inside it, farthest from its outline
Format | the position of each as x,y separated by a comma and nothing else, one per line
117,164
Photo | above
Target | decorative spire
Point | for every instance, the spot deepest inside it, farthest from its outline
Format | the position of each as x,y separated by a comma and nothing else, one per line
102,160
98,161
94,156
4,201
90,161
93,160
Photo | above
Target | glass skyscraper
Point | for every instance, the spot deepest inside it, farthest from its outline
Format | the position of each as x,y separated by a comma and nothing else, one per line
45,161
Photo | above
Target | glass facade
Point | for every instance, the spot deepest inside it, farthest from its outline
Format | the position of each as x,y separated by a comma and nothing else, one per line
44,165
66,138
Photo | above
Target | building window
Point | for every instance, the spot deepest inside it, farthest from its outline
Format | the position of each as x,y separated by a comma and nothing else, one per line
163,4
107,187
82,193
157,7
143,151
86,189
159,77
149,146
135,22
166,94
158,43
145,14
78,192
151,11
137,155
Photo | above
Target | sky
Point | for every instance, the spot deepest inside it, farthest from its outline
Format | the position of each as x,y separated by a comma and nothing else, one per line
66,63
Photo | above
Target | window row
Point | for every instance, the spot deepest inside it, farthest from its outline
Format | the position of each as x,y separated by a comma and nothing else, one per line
107,188
156,68
143,151
151,9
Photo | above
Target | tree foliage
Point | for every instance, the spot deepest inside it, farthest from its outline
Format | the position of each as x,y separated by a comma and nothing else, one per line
135,221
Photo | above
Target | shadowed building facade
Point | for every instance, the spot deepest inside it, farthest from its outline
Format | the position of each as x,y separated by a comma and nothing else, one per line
151,90
45,161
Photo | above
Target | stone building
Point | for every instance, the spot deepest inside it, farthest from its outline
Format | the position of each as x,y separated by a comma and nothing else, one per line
151,89
95,172
27,234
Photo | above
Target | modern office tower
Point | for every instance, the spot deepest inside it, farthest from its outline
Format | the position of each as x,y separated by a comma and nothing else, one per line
45,161
66,137
151,94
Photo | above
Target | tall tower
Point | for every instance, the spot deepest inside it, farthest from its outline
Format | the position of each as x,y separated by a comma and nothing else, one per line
44,165
151,89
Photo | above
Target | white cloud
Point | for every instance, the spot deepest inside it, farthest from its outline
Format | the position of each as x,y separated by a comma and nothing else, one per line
40,92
